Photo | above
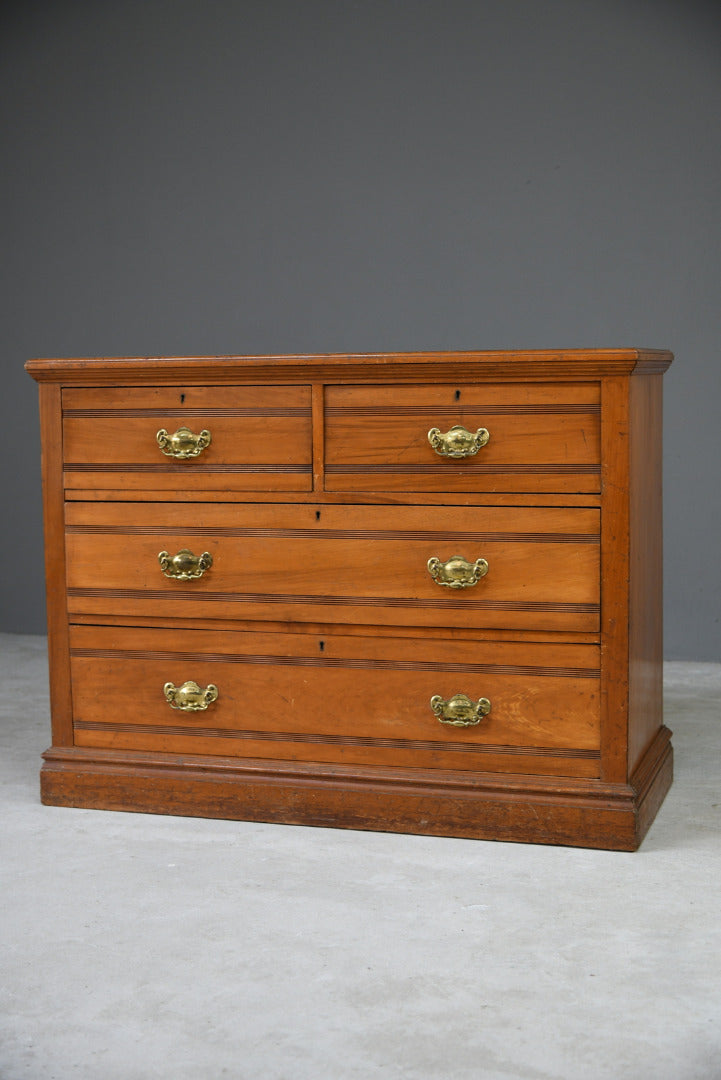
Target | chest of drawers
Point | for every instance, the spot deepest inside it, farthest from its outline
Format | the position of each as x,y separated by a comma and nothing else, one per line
409,592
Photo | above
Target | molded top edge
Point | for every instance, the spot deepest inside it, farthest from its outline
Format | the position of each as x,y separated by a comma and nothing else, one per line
569,362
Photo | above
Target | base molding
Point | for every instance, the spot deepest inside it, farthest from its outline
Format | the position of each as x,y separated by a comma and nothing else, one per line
523,809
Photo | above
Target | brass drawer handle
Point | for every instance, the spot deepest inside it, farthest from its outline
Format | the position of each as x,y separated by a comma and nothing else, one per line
458,442
189,697
459,710
183,444
457,572
184,566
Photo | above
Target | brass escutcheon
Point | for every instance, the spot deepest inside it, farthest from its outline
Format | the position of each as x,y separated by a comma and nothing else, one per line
460,711
189,697
183,444
184,566
458,442
457,572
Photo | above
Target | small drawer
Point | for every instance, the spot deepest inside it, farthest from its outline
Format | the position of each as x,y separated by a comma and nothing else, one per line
339,699
531,568
188,439
535,437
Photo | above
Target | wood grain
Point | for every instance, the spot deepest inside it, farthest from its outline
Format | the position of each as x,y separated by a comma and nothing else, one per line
188,400
538,365
261,438
180,495
645,566
333,563
615,540
321,502
61,698
336,698
541,438
526,809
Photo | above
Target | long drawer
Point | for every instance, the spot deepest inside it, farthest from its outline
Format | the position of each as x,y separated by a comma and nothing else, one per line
478,567
250,438
338,699
536,437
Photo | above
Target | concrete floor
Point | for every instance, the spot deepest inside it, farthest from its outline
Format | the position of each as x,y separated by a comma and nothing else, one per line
138,947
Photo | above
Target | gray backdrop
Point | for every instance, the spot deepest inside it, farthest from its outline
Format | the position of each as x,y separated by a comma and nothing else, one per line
185,176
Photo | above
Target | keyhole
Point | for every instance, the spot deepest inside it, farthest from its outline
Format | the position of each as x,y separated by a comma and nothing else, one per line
321,645
317,515
458,395
182,398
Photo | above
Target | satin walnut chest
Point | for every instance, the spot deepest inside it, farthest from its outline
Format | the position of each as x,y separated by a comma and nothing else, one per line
408,592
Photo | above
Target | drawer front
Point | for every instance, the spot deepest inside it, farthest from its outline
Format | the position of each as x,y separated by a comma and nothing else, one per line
337,699
368,565
541,438
259,438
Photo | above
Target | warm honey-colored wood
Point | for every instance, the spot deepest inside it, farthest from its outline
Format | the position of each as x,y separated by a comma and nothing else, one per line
261,438
51,433
645,565
541,437
147,493
273,402
341,564
362,699
615,541
538,365
464,399
529,809
318,437
130,441
450,633
321,503
177,482
472,478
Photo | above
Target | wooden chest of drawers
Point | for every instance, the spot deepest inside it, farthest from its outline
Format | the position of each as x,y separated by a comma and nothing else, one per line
409,592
